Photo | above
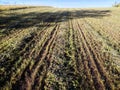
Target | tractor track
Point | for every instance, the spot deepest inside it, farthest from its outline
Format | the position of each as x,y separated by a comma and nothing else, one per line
99,62
100,72
89,61
59,51
25,48
40,59
82,63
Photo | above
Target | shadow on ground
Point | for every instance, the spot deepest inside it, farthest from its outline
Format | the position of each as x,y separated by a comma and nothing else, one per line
20,21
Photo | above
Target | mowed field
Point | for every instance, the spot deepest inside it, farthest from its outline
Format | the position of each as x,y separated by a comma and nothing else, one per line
45,48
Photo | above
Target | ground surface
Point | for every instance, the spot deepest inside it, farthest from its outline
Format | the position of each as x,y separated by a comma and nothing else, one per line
45,48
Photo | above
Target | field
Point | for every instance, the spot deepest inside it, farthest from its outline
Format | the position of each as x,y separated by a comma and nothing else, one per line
46,48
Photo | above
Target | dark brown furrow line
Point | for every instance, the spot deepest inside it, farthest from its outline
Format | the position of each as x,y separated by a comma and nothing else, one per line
48,60
83,61
42,55
108,81
31,51
87,70
95,74
27,69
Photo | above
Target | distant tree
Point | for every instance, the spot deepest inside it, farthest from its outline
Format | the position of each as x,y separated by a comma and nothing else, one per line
116,4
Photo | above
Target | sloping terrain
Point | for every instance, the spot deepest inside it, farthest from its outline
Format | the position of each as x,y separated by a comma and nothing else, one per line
45,48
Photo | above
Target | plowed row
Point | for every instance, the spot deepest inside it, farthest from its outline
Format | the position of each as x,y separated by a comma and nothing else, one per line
60,51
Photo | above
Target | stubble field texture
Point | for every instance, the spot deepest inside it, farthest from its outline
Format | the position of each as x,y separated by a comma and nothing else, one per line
46,48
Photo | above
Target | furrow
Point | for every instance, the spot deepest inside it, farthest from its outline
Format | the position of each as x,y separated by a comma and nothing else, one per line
40,59
91,63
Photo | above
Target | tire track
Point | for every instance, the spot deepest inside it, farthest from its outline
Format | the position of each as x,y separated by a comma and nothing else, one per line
39,60
82,65
55,67
108,82
34,53
26,46
24,51
31,54
48,62
90,61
